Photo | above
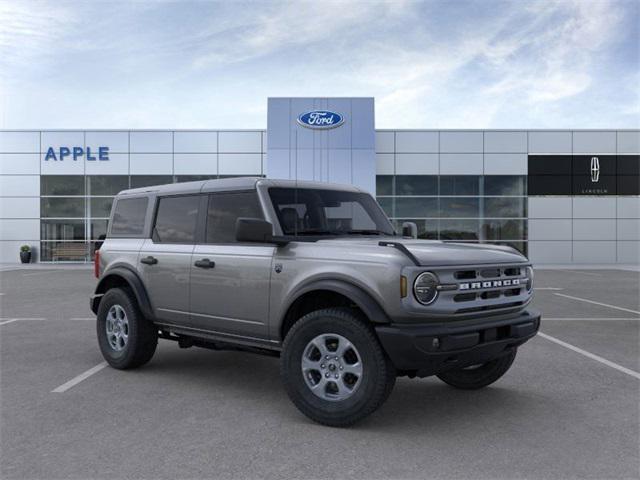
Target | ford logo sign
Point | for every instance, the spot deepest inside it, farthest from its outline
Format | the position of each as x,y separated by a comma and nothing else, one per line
321,119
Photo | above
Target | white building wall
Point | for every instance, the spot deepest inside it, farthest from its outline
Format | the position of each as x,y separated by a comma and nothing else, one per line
19,192
172,153
561,229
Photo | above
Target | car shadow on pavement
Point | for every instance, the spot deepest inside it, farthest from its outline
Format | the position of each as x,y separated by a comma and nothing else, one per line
414,403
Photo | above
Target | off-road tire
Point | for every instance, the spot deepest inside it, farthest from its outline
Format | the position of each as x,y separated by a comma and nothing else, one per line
378,377
480,377
142,334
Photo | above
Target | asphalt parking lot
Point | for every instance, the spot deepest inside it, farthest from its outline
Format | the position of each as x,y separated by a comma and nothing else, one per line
568,408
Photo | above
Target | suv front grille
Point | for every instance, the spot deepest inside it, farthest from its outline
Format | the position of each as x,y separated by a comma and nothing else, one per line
482,289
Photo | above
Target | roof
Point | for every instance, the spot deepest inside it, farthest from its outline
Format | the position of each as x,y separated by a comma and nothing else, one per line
230,184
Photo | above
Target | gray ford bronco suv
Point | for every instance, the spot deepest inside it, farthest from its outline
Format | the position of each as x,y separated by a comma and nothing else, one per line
313,273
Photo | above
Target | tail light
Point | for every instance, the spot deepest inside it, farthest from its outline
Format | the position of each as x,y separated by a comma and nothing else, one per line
96,264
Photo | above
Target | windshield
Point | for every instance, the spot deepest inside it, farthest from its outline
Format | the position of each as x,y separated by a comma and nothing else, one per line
305,211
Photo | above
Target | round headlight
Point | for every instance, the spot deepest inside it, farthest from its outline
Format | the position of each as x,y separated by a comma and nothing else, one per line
425,288
529,273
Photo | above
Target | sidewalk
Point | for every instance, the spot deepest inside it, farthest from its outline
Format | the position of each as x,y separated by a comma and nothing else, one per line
6,267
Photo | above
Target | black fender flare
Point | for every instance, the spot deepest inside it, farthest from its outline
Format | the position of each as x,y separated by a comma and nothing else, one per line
365,302
132,279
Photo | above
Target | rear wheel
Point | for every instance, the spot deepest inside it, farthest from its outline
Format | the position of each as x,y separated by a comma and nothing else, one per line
334,369
125,337
479,376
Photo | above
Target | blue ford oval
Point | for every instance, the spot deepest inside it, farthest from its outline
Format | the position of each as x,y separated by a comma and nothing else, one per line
320,119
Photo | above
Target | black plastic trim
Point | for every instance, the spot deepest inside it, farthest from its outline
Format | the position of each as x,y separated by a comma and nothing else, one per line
361,298
403,249
135,283
428,349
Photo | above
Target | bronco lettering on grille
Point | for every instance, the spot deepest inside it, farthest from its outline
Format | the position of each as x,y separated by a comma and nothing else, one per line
489,284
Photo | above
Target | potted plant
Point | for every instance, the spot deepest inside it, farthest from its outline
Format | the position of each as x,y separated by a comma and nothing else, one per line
25,254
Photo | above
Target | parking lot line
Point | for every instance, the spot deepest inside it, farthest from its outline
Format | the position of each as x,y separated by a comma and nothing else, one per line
579,272
76,380
39,273
597,303
11,320
548,288
4,321
592,356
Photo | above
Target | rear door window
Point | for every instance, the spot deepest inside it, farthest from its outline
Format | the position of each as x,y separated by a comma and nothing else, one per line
129,215
176,219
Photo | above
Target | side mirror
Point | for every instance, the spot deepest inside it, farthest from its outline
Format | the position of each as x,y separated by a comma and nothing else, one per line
256,230
409,229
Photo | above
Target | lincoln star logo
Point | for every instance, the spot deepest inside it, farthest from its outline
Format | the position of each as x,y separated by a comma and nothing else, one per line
514,282
321,119
595,169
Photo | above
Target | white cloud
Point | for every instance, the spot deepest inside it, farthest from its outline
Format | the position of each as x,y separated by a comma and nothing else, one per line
31,28
428,65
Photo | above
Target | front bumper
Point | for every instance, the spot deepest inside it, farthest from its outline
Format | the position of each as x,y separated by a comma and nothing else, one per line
428,349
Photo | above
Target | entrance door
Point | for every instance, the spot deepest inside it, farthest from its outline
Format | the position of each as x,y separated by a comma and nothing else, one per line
165,259
230,280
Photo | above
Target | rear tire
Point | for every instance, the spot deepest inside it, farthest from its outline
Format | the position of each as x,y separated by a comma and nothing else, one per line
126,338
334,369
476,377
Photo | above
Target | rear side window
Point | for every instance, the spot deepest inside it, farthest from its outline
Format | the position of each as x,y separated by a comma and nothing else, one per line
176,219
128,217
224,209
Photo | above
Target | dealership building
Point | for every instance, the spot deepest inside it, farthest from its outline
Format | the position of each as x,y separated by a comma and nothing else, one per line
559,196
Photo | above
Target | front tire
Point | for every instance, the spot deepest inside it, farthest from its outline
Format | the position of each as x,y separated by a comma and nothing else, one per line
479,376
334,369
126,338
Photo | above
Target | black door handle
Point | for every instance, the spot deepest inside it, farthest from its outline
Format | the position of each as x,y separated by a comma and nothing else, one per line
205,263
149,260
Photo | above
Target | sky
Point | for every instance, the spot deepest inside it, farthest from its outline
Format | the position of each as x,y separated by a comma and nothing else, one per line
432,64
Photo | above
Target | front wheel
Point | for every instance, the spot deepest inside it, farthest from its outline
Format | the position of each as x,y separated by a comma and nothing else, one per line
479,376
334,369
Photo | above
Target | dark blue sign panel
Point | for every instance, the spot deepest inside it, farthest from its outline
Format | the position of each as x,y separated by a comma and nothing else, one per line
76,153
320,119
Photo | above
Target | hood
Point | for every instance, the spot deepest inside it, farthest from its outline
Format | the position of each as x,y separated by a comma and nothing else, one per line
436,253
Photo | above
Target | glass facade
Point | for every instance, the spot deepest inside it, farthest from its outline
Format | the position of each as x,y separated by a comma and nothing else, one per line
535,189
461,208
75,209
